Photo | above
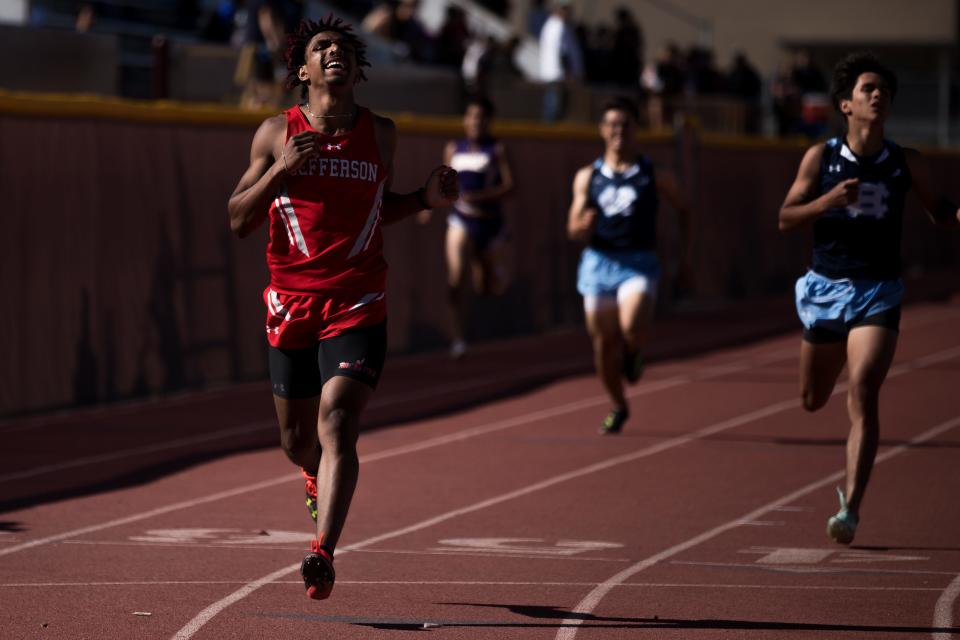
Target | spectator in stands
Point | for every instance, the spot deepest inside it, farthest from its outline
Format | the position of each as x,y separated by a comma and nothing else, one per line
379,20
397,21
454,37
627,55
221,22
477,64
260,61
86,16
786,101
811,84
702,75
597,47
505,59
664,81
743,82
806,74
409,30
561,60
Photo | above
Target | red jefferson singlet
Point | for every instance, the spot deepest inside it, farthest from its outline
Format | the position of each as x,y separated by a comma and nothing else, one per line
325,255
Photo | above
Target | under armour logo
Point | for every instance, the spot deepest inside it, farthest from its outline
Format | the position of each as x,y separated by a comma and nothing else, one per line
833,168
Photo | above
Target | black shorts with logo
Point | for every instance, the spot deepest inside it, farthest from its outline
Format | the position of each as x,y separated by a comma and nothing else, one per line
357,353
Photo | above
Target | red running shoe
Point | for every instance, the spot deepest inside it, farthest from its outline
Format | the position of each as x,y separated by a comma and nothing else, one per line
317,571
311,486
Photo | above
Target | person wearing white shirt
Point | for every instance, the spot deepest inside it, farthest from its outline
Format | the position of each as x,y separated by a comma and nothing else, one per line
560,60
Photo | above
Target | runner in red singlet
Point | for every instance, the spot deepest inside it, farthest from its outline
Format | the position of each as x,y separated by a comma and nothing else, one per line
320,172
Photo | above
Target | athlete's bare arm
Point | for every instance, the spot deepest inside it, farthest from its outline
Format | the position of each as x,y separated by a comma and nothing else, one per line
492,194
441,188
581,217
270,159
448,150
800,207
669,190
940,210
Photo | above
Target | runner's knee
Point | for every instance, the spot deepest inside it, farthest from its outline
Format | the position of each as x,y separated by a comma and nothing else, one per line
299,441
338,433
863,396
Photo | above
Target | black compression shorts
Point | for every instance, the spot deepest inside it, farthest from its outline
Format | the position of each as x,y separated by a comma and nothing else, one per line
889,319
357,354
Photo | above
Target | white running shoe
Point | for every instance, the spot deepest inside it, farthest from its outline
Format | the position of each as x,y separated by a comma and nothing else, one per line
842,527
458,349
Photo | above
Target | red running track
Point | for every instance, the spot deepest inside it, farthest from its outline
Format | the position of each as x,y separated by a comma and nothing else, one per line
514,519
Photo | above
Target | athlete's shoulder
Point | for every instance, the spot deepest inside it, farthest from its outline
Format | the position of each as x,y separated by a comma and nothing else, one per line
589,169
582,177
270,133
815,153
275,122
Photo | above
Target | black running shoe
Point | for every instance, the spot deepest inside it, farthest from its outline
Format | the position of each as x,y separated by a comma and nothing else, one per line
317,572
614,421
632,365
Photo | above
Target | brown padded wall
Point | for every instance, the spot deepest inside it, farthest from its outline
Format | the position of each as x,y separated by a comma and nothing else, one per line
122,279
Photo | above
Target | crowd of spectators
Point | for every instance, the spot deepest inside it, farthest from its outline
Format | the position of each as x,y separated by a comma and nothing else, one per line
607,53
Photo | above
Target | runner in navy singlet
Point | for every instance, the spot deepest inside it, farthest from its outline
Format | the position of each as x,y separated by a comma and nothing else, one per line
851,190
614,211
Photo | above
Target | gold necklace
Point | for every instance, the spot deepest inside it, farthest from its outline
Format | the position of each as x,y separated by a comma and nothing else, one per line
306,107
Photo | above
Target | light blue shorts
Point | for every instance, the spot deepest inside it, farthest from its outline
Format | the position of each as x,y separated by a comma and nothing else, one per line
830,308
605,276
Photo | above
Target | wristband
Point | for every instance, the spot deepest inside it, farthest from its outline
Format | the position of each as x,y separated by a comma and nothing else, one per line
422,198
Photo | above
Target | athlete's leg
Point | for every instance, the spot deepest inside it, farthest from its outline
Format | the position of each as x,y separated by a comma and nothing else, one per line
604,329
870,351
636,318
298,430
296,380
458,257
341,403
490,274
351,364
820,365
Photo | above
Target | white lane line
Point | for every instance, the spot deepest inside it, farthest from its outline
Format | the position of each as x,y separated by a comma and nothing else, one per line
471,583
644,389
214,609
845,569
231,432
943,612
569,627
267,547
399,399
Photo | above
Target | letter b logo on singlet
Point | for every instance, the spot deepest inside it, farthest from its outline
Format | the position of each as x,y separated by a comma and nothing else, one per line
871,201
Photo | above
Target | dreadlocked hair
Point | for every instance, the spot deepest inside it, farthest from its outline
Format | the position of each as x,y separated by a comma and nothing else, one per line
297,47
